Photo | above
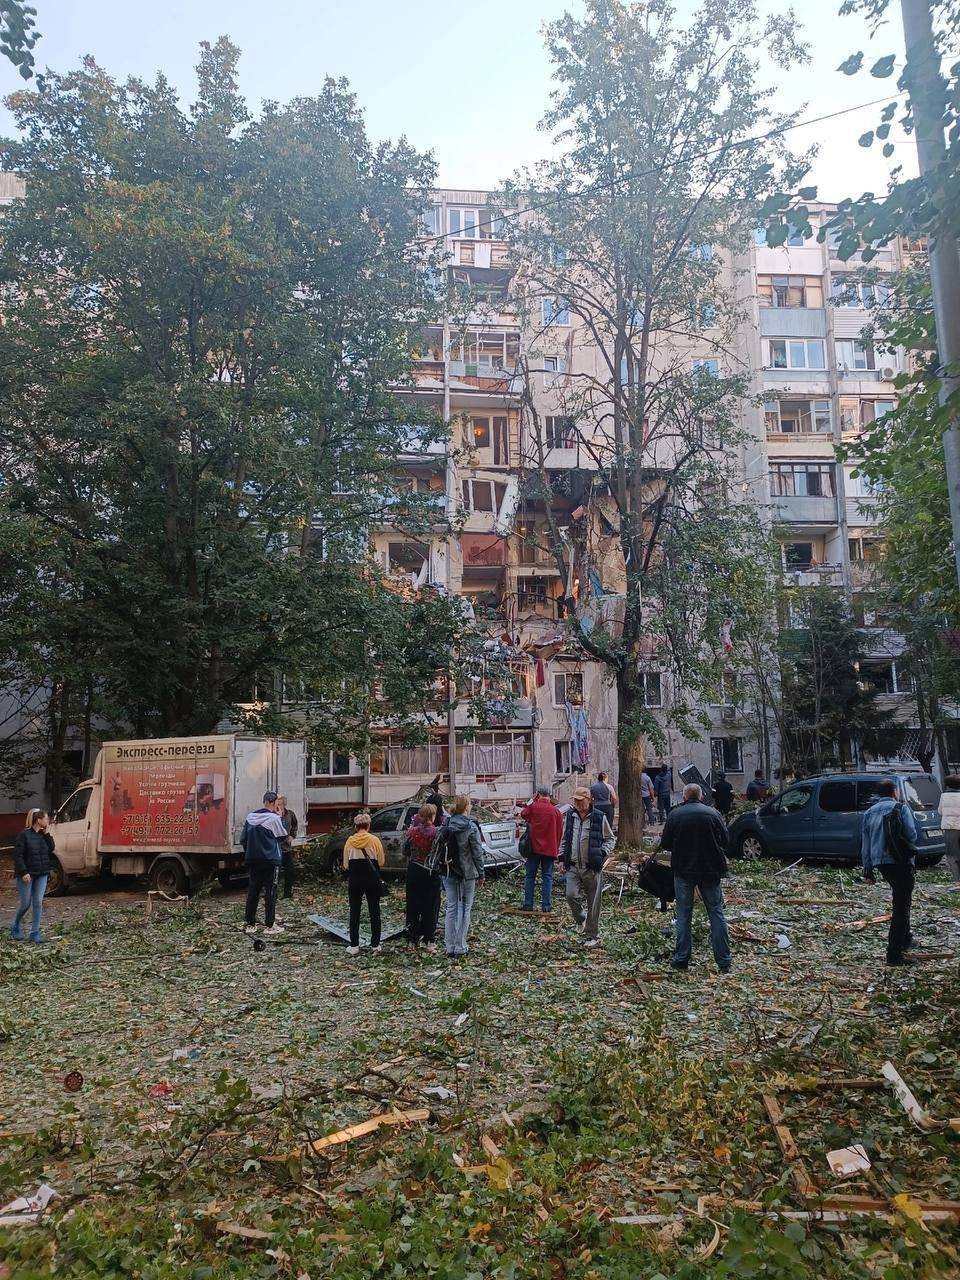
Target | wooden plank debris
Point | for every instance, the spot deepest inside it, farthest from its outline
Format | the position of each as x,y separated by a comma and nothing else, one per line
360,1130
788,1148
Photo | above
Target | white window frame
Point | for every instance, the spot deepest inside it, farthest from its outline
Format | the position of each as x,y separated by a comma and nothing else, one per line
772,407
330,771
459,215
554,368
646,676
563,756
467,486
855,346
799,466
710,367
789,352
563,675
555,313
858,295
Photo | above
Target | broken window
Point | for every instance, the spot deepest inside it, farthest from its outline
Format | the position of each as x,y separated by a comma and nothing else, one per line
477,495
560,433
790,291
652,683
794,417
726,755
331,764
567,687
798,555
501,442
802,479
881,674
480,433
532,593
867,550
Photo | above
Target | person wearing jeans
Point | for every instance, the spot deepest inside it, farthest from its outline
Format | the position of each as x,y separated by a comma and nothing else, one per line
463,871
262,836
363,856
950,821
696,837
587,842
32,860
896,867
544,828
712,895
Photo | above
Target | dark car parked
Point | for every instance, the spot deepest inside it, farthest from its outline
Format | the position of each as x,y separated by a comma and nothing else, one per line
822,818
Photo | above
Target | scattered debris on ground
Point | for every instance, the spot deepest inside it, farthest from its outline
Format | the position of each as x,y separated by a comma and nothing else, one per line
535,1110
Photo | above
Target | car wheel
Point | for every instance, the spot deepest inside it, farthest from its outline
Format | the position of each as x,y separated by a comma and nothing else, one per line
752,847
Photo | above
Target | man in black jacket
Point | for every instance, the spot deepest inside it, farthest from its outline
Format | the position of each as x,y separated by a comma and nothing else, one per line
696,837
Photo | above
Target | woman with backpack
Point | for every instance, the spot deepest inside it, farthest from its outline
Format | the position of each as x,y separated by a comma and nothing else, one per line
363,856
423,884
462,861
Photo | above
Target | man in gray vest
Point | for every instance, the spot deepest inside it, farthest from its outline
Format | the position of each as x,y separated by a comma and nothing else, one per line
587,842
603,795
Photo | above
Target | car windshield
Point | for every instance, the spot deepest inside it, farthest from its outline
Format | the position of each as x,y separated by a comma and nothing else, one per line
921,793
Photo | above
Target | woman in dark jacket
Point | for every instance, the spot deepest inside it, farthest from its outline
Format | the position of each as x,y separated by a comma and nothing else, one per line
32,859
423,885
464,871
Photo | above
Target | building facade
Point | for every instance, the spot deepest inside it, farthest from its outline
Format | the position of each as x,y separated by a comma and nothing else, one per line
816,383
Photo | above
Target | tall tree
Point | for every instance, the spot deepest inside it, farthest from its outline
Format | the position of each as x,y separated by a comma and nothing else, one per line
205,315
18,34
664,161
901,455
830,708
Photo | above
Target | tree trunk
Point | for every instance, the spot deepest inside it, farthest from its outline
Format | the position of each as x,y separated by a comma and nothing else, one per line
631,757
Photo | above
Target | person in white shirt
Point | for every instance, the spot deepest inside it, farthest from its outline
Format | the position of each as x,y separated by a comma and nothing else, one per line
950,819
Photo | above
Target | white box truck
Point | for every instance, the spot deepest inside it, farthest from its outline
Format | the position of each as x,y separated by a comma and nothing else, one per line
173,808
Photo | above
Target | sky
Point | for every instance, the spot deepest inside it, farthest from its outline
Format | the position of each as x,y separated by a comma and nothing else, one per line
467,81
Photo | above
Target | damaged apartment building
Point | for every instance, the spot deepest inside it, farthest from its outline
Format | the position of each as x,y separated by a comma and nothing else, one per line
816,383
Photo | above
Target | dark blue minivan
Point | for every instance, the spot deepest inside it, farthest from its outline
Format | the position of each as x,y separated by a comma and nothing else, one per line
822,817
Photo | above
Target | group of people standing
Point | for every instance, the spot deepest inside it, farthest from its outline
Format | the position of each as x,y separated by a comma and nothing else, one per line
444,855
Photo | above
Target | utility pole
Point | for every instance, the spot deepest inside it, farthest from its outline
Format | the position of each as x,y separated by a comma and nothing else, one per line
924,82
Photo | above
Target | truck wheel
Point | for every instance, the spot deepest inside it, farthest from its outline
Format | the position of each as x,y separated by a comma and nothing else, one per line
57,880
167,876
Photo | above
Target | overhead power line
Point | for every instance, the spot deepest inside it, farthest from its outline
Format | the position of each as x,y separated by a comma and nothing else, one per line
571,196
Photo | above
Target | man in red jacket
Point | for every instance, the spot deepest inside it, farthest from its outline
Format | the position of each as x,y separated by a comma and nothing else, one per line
544,829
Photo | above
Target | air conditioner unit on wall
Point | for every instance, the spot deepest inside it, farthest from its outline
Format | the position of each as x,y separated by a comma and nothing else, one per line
888,372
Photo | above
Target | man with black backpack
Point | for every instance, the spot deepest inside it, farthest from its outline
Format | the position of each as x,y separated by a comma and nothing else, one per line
890,846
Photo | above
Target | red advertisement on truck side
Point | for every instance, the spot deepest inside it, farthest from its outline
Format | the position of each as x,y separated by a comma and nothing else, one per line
172,793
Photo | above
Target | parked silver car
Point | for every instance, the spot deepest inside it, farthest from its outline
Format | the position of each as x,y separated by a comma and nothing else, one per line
497,835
